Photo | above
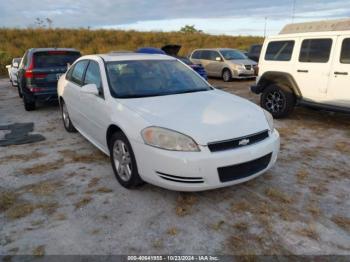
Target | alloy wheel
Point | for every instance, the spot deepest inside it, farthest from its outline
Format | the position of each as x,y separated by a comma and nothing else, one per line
274,102
122,160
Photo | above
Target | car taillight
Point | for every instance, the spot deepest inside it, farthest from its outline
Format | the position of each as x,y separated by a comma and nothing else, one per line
31,74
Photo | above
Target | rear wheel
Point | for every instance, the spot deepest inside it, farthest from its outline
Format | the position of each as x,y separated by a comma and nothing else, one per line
68,125
29,105
226,75
123,161
278,100
20,94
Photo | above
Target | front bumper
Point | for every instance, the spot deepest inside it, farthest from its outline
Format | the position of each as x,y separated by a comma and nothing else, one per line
198,171
243,73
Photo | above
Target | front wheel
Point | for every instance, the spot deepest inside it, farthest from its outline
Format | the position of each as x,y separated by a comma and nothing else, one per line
278,100
226,75
123,161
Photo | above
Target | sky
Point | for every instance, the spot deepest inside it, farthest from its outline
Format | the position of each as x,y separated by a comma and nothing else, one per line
229,17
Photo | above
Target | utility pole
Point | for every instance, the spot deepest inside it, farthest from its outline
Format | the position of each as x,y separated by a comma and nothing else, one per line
265,26
293,11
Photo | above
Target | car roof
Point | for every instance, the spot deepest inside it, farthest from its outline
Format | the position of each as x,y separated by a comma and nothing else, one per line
215,49
111,57
52,49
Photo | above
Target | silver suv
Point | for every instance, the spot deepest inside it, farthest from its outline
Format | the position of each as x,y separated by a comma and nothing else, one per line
225,62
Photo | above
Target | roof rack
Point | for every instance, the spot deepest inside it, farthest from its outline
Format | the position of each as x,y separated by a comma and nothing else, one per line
318,26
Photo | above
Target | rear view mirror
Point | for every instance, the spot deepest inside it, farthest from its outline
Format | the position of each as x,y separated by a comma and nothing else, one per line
218,59
90,89
15,65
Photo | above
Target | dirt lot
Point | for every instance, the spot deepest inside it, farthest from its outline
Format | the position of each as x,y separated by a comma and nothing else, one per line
59,196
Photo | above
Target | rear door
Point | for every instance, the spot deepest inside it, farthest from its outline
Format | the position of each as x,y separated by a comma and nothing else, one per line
196,57
339,86
313,67
75,80
48,66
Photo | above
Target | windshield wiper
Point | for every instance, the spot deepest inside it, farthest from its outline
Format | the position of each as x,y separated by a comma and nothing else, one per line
191,91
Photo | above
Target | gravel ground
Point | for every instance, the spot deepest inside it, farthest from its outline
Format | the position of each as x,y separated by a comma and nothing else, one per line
59,196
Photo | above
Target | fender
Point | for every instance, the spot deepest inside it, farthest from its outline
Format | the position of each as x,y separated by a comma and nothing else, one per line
276,77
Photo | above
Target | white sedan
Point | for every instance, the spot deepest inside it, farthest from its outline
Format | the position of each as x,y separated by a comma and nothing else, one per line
161,123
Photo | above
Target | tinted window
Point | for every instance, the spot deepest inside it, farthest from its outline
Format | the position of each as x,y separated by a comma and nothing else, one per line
92,75
315,50
345,52
213,55
197,55
54,58
78,72
205,55
232,55
130,79
279,51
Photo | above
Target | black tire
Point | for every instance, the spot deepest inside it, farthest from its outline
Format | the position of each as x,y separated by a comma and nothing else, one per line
131,179
67,122
29,105
278,100
20,94
226,75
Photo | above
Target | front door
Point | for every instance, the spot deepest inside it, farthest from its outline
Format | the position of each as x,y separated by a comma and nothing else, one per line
339,86
94,110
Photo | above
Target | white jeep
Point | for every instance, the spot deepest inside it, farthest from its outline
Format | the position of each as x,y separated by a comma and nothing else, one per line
306,64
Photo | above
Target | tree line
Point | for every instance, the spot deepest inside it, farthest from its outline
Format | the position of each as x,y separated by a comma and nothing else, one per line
14,42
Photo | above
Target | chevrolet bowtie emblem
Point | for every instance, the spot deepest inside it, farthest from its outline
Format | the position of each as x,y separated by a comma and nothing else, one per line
243,142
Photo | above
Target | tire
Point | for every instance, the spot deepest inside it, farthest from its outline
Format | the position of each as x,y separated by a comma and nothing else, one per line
226,75
123,161
20,94
29,105
278,100
67,122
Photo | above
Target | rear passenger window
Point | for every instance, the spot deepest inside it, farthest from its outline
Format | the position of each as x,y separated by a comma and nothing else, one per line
279,51
205,55
345,52
78,72
315,50
196,55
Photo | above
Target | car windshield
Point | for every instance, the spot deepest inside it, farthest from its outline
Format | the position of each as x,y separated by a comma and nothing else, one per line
232,55
144,78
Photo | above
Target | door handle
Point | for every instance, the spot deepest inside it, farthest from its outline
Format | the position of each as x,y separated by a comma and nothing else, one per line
341,73
303,71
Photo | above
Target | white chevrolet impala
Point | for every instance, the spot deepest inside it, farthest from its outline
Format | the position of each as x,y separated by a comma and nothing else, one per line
161,123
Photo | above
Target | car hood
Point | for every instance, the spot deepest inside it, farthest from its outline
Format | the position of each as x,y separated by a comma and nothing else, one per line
207,116
242,62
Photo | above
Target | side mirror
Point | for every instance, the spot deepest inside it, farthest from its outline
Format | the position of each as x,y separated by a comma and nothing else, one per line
90,89
218,59
15,65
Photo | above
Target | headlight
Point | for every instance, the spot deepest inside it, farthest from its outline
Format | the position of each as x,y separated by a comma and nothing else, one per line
168,139
240,67
269,119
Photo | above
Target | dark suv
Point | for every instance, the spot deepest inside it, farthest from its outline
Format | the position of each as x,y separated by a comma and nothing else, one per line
39,72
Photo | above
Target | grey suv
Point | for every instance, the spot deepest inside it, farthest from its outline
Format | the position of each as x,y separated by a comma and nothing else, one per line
224,62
